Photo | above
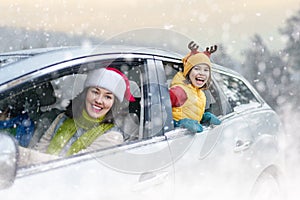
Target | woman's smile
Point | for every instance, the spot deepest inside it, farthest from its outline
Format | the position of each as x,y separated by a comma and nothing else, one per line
96,108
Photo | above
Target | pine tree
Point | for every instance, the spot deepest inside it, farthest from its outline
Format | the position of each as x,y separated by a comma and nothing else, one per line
266,71
291,52
221,57
292,32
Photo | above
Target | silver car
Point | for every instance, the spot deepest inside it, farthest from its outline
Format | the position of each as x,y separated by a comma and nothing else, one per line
240,158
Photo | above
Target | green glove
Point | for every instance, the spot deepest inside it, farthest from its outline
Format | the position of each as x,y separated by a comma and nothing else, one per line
190,124
210,118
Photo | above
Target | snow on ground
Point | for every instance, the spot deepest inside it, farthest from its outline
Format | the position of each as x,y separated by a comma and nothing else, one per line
292,149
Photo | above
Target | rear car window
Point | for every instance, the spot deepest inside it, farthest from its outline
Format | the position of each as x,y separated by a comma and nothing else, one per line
237,93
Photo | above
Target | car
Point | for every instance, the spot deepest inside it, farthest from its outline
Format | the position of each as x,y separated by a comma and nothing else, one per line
239,158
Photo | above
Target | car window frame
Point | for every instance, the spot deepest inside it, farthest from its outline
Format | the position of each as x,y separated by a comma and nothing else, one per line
65,68
222,104
249,87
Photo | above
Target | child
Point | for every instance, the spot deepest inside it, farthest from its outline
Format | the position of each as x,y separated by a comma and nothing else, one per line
186,92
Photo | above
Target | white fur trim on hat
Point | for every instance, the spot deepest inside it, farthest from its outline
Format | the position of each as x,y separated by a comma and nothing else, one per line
107,79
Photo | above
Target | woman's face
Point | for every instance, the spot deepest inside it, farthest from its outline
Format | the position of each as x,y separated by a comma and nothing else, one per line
98,102
199,75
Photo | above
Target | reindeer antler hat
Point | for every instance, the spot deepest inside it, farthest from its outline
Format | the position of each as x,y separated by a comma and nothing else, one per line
195,57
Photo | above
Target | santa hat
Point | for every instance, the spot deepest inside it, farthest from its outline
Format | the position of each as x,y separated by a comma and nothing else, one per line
112,80
196,58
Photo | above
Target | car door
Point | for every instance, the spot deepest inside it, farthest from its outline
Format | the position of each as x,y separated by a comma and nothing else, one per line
218,161
142,167
125,172
262,143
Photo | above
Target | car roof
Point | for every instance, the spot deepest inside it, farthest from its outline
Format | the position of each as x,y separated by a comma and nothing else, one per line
14,56
32,60
82,51
20,63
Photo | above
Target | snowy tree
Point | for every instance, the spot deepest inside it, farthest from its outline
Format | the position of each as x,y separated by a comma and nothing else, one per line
255,59
221,57
266,71
291,31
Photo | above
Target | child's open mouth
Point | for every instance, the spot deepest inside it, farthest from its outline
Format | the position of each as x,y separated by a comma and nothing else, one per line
200,81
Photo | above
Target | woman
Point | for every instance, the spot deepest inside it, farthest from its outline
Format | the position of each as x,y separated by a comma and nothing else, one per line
88,122
186,92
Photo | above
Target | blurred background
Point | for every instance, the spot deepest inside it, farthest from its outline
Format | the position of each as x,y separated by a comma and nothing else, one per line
259,39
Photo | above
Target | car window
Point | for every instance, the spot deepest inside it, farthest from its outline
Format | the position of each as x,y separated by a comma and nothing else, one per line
213,100
236,91
25,110
69,86
48,95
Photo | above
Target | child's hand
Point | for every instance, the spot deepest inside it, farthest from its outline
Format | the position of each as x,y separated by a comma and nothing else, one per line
210,118
190,124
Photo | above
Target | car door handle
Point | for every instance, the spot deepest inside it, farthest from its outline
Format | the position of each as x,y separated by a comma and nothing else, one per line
241,145
150,179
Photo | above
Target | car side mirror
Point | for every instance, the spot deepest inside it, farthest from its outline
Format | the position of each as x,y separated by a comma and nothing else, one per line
8,160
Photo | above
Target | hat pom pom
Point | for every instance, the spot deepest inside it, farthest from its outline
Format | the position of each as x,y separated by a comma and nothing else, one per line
127,94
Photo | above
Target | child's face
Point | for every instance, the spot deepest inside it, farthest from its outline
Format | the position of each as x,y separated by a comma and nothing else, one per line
199,75
98,102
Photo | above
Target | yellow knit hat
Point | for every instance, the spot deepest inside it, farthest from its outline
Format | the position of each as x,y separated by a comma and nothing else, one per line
190,60
195,57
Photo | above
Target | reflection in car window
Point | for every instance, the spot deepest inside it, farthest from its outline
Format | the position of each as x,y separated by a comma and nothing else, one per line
66,88
25,112
47,96
236,91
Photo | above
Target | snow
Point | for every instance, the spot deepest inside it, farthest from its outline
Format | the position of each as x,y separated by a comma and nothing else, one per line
276,80
292,149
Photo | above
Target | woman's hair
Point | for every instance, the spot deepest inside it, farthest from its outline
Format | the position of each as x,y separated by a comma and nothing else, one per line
76,106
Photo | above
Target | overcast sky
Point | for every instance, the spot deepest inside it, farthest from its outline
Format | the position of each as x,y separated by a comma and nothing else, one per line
206,21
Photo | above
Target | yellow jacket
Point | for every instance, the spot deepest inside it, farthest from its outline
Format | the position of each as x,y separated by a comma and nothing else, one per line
191,102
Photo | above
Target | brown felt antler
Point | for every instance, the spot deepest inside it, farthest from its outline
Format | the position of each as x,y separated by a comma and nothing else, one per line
193,47
212,49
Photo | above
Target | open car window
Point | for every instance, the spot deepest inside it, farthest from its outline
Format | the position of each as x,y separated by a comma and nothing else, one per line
41,100
213,100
